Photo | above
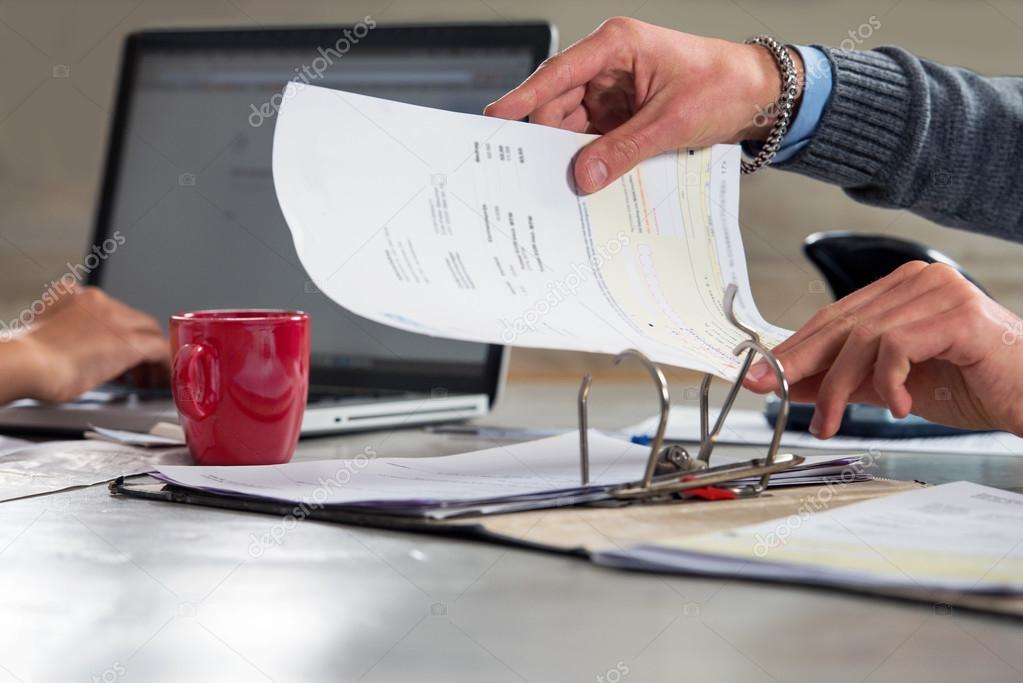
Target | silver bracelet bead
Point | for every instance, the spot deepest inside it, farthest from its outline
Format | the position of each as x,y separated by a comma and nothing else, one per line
784,105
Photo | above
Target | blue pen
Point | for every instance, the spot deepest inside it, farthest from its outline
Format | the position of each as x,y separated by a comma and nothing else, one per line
515,434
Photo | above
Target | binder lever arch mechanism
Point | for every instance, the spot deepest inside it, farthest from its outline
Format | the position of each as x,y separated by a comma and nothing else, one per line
671,469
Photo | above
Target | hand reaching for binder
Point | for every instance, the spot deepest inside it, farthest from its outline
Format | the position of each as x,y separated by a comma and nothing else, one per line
922,340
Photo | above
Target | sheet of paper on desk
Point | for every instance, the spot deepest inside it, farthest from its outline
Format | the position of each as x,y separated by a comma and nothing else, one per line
468,227
127,438
28,470
750,427
523,475
958,536
10,443
546,467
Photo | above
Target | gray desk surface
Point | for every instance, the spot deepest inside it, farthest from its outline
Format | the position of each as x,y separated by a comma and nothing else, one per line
100,588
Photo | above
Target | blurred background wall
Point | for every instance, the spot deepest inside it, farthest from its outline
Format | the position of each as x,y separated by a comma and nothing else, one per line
58,60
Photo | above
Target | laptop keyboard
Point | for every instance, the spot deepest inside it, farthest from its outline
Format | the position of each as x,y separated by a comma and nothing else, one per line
116,393
123,394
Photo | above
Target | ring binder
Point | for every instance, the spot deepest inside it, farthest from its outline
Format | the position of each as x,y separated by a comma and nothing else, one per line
672,470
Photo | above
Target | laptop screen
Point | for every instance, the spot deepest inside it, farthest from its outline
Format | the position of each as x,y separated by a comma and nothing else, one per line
193,208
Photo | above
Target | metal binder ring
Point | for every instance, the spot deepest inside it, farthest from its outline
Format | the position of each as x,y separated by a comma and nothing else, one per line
688,474
662,425
752,346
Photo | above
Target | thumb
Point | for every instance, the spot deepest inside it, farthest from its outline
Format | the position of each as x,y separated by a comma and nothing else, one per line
615,153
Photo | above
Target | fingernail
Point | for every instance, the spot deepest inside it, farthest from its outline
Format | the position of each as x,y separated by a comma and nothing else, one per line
597,171
815,423
758,371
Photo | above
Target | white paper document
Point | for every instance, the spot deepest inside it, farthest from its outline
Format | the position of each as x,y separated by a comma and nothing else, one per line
542,473
546,467
10,443
30,469
750,427
469,227
959,536
127,438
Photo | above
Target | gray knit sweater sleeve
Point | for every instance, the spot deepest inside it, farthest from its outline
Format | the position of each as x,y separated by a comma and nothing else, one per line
903,132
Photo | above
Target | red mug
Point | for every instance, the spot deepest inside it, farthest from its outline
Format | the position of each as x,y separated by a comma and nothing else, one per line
240,381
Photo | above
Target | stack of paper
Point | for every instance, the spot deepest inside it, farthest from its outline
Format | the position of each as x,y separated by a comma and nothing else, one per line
750,427
521,476
816,469
163,435
482,211
28,469
959,537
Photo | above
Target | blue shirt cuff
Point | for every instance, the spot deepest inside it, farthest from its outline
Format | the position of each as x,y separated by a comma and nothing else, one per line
816,93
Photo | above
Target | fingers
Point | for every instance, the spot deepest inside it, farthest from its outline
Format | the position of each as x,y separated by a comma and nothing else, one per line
100,315
557,110
142,333
806,391
578,121
852,364
150,347
863,348
813,348
824,350
851,369
571,68
648,132
940,337
137,321
876,357
843,308
117,316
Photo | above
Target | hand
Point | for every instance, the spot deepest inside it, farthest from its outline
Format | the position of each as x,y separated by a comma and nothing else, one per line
648,89
83,340
922,340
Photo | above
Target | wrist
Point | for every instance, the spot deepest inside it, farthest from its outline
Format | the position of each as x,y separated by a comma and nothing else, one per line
763,89
19,369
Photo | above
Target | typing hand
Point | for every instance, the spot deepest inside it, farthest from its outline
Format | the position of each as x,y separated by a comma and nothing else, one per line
83,340
922,340
648,89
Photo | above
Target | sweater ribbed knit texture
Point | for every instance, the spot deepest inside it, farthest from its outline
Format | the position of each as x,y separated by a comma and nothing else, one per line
902,132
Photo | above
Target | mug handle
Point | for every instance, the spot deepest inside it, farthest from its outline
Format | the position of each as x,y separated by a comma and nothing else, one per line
194,381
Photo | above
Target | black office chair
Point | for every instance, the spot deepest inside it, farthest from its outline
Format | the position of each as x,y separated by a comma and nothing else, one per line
850,261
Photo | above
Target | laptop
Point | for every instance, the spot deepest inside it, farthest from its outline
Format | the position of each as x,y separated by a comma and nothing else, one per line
188,199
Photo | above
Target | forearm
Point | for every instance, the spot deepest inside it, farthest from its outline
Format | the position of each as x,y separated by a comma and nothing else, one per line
16,373
942,142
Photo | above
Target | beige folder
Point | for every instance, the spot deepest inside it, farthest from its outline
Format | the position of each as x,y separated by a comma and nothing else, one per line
580,531
584,530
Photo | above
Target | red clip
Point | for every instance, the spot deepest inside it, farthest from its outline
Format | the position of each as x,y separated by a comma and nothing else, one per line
711,493
708,492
